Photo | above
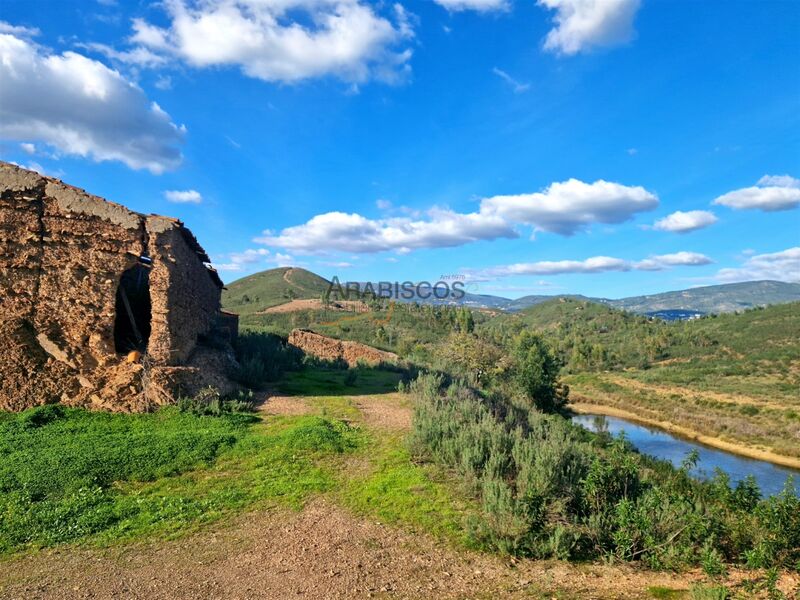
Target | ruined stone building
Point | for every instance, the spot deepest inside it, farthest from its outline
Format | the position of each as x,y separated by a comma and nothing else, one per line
99,305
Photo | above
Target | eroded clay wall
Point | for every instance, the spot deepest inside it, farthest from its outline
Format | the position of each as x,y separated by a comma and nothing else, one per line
62,254
185,300
328,348
20,232
88,244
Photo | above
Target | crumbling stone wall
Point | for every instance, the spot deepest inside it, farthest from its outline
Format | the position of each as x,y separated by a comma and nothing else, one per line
332,349
62,254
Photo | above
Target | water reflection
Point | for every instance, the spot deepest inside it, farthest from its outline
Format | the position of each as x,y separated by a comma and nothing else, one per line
655,442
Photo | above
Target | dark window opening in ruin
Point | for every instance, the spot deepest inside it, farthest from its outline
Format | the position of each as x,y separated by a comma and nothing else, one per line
133,310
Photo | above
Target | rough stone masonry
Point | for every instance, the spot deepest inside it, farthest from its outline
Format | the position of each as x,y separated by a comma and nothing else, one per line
102,306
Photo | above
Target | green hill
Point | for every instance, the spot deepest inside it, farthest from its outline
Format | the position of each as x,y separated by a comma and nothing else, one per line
587,335
257,292
725,298
734,376
714,298
591,336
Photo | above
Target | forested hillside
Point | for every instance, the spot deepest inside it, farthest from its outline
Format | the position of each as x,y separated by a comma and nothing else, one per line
269,288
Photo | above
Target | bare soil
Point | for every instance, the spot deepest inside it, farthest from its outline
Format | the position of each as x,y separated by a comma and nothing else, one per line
387,411
283,405
316,304
321,552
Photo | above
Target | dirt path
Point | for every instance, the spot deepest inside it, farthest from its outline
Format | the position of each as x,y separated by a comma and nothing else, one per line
270,404
322,552
386,411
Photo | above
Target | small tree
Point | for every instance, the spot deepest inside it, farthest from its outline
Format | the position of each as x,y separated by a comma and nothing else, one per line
475,356
466,322
536,372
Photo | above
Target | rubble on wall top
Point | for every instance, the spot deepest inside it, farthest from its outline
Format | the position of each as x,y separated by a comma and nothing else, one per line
72,199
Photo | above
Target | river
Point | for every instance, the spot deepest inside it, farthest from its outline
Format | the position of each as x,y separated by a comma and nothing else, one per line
656,442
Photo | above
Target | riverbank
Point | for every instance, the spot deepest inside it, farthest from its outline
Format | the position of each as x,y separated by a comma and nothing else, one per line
584,407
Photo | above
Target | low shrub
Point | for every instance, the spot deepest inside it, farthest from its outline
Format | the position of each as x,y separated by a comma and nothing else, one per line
549,488
264,358
351,377
209,402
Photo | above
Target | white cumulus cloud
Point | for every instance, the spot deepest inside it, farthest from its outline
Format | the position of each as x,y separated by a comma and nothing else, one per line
238,261
771,193
350,232
779,181
562,208
595,264
677,259
585,24
81,107
477,5
780,266
183,196
569,206
284,40
138,56
18,30
684,222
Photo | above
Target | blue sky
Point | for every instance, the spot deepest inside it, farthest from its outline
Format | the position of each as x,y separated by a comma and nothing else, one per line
603,147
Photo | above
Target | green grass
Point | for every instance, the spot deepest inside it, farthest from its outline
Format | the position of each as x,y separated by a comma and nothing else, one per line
270,288
72,476
400,492
710,592
68,475
665,593
331,382
383,481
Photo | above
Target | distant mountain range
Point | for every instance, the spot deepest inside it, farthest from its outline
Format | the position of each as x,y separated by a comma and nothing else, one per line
728,297
268,288
681,304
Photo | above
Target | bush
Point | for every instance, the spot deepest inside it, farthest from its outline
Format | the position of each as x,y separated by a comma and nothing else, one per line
536,372
208,402
521,468
263,358
548,488
350,377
